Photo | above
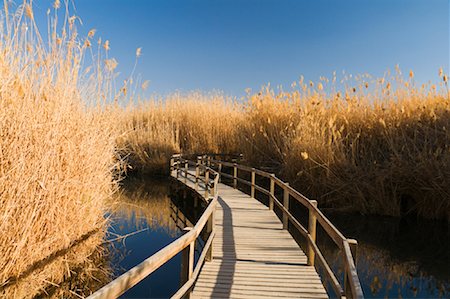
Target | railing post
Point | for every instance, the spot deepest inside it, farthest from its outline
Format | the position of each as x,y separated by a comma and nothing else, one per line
186,167
210,227
272,191
353,244
253,184
354,249
235,173
172,160
187,261
286,205
177,170
199,163
220,172
216,191
312,222
213,189
197,173
207,183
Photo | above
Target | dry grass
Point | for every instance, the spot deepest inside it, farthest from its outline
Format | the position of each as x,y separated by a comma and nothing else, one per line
381,149
153,130
79,271
56,150
86,275
382,146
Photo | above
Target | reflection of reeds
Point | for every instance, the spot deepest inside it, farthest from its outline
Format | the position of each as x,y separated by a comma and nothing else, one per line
147,203
383,272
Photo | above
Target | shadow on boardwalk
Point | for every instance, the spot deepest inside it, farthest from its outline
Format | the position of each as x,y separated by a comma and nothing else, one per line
229,254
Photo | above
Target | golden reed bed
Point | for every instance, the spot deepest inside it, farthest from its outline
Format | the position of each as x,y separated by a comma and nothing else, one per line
56,151
380,146
376,146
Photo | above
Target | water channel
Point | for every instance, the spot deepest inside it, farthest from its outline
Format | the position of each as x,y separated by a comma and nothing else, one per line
153,213
396,258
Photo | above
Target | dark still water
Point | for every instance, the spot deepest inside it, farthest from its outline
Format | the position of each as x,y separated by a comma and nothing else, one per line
397,258
152,213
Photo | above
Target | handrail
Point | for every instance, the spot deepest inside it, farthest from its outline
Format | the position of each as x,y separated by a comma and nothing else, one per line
179,166
352,286
185,243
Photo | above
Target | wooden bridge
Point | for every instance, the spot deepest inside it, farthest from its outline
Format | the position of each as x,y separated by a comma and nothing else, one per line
248,251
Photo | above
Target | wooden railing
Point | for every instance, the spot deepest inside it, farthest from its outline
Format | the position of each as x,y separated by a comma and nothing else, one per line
205,181
352,287
205,177
206,187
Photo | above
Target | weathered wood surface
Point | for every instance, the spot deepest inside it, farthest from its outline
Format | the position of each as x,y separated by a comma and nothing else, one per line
253,257
352,286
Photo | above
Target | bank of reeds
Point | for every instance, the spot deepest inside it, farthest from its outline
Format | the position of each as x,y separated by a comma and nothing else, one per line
381,150
377,146
56,150
196,122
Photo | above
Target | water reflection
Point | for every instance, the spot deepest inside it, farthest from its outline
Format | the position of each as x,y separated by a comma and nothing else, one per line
151,213
396,258
143,204
145,216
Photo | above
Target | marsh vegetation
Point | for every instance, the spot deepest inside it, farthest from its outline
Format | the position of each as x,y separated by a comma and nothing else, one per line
380,147
366,145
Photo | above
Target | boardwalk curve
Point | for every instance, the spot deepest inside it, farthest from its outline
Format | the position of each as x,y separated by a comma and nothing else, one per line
253,257
248,252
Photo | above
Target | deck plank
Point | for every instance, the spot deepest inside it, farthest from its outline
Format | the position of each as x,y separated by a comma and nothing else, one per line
253,257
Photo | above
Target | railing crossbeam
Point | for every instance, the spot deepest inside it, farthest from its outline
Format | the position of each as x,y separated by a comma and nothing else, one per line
179,168
205,173
352,287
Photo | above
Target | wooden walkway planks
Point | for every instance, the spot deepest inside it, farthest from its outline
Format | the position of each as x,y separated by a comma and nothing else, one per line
253,257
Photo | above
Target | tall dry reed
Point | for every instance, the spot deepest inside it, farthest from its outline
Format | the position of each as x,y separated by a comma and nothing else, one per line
382,150
56,148
155,129
377,146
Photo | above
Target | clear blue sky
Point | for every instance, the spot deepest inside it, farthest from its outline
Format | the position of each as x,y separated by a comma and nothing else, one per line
231,45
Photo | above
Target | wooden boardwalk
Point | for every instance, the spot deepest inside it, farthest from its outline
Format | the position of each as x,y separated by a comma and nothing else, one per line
248,251
253,257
